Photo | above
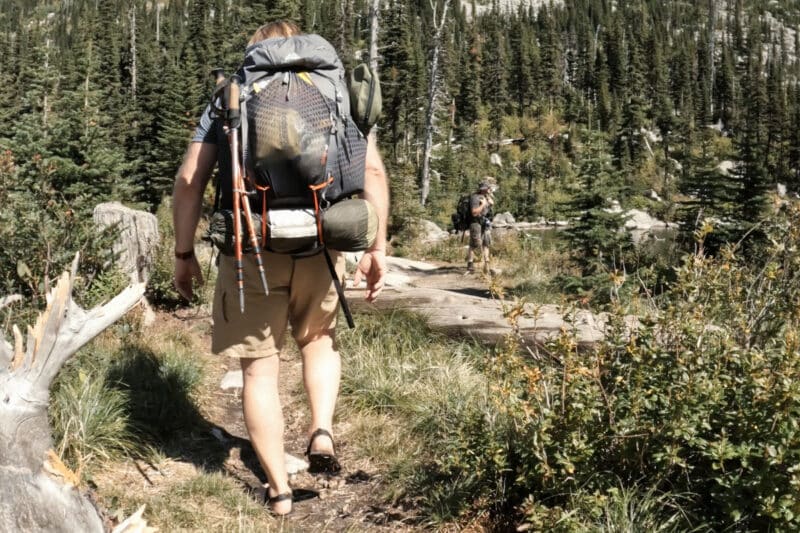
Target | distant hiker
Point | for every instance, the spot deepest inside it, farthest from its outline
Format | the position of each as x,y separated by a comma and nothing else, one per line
300,289
480,237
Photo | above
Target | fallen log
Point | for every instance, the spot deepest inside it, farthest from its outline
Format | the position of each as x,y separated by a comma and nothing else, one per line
39,492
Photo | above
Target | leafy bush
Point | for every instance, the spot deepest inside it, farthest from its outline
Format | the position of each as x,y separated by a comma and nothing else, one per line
160,288
41,229
696,406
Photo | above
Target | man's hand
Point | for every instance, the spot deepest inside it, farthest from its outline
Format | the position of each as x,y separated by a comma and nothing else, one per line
373,268
187,271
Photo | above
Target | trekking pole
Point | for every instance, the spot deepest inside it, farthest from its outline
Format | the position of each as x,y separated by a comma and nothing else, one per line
232,117
241,201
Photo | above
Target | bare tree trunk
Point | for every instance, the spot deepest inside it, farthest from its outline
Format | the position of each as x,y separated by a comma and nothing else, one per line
345,12
133,52
425,177
46,104
374,12
39,492
712,20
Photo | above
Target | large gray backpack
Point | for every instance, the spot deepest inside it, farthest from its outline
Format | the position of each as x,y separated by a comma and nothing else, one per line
300,143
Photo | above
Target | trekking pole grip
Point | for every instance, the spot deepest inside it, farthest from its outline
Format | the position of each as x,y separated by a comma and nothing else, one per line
218,75
234,90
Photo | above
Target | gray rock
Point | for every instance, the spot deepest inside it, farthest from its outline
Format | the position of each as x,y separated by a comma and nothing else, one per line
653,195
232,380
639,220
294,465
430,232
726,167
503,219
615,207
351,259
401,263
478,317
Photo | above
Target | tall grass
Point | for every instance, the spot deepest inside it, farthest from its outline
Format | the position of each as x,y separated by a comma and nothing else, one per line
124,394
412,388
91,420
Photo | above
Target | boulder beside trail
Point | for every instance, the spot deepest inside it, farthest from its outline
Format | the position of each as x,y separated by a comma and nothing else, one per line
430,231
503,219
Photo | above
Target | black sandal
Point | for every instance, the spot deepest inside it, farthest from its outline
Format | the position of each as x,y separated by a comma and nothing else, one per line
282,497
322,462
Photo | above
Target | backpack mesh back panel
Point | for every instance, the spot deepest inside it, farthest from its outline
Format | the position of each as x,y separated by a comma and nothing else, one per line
290,139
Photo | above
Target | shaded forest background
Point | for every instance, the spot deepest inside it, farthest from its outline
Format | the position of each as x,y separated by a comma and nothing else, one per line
614,101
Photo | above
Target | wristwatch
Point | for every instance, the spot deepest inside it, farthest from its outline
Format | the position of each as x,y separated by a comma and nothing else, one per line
184,255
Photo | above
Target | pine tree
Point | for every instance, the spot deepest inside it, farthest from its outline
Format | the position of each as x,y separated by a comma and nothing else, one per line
752,138
599,243
711,195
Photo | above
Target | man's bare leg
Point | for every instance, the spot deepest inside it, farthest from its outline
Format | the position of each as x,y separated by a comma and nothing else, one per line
322,370
263,418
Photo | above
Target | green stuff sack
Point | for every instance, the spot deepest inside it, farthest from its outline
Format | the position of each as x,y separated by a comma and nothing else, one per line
350,225
365,97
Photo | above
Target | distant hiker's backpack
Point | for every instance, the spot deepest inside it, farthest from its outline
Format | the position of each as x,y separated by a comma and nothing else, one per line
463,216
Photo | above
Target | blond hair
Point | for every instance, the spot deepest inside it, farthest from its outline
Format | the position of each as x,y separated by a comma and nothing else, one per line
279,28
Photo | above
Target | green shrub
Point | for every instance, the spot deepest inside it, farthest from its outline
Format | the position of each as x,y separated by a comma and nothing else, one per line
160,288
700,400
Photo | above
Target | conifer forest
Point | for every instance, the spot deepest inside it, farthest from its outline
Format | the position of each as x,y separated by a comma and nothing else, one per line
618,98
580,111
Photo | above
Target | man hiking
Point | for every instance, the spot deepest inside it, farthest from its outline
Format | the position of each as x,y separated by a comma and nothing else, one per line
301,294
480,237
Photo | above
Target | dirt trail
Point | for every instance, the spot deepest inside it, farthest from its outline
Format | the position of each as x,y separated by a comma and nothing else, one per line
352,501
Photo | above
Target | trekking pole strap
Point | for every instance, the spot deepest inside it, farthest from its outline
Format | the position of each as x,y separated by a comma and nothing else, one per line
339,290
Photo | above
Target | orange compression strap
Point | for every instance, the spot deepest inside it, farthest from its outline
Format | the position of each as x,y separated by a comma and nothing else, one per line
317,215
263,215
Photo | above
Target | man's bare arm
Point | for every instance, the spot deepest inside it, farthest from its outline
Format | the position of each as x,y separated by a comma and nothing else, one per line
376,190
187,201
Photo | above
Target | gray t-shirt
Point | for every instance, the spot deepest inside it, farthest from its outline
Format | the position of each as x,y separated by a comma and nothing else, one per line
206,132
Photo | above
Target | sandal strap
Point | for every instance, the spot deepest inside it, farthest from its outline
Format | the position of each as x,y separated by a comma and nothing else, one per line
319,432
280,497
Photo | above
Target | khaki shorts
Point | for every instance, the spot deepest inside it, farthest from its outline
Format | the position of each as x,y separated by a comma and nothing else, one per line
301,293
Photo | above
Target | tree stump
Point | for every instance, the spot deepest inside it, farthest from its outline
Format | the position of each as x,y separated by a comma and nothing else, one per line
137,237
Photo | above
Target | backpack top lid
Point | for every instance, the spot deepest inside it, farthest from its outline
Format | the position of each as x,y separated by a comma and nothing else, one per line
306,52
